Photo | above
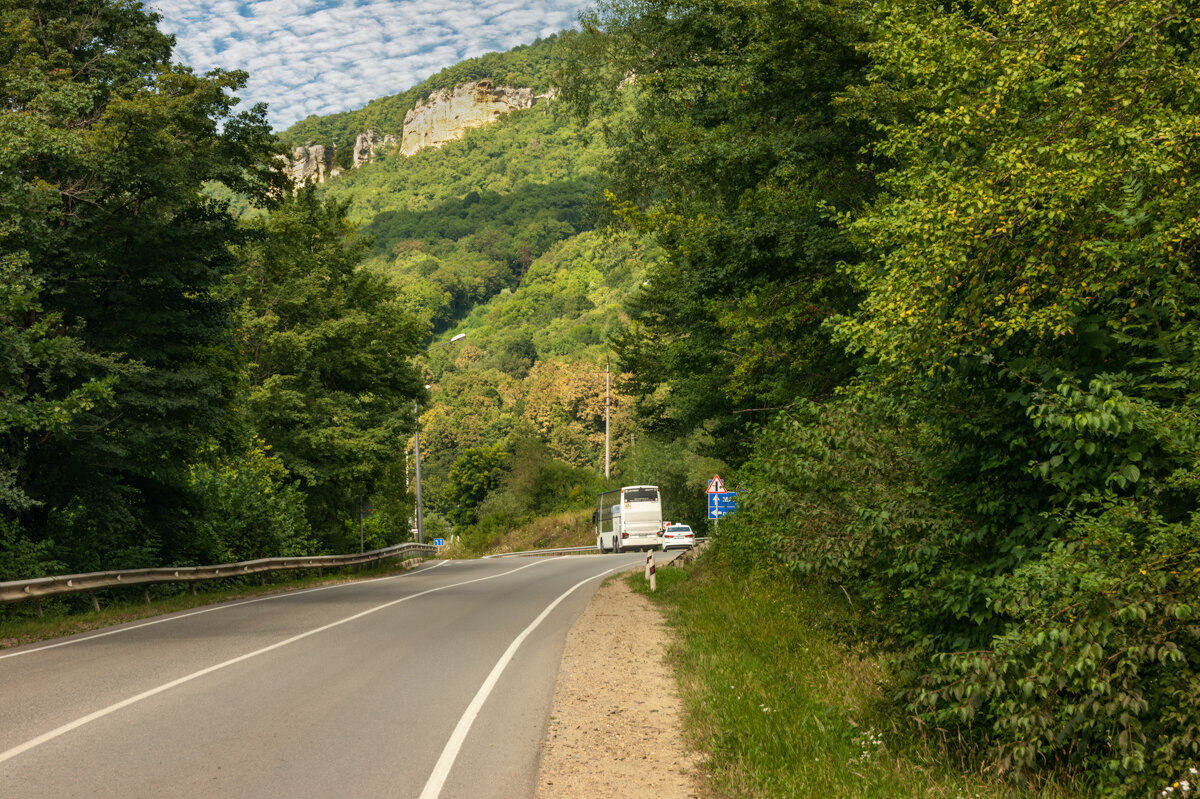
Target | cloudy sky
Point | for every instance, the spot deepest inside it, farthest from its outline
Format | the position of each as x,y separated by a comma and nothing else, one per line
321,56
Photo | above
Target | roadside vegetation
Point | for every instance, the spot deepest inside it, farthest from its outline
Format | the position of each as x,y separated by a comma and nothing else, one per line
930,284
783,702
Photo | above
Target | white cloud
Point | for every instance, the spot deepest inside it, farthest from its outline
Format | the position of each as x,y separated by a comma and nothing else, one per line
321,56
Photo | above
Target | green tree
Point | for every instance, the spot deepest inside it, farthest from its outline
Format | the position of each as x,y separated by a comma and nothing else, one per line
329,348
1031,295
117,364
251,508
728,151
476,473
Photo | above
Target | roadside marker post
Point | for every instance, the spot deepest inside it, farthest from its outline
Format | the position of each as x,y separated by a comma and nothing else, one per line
649,564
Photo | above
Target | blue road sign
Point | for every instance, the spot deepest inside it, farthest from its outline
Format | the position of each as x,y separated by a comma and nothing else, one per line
721,504
437,542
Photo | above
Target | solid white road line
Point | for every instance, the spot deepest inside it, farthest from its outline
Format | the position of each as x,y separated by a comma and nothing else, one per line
99,714
223,606
433,787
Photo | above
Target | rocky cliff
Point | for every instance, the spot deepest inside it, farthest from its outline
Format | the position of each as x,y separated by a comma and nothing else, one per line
369,144
446,115
449,113
311,163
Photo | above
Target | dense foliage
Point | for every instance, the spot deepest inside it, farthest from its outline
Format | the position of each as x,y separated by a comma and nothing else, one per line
1033,283
114,372
329,349
732,158
165,368
1006,491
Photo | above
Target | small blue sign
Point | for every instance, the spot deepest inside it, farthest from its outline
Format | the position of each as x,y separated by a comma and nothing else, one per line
721,504
439,542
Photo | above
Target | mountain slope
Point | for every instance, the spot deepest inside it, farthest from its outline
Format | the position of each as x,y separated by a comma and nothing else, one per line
493,236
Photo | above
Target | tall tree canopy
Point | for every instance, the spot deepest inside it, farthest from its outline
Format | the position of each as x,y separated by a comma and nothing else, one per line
330,353
729,152
112,340
1011,485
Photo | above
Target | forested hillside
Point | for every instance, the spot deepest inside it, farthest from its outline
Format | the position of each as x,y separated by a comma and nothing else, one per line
494,237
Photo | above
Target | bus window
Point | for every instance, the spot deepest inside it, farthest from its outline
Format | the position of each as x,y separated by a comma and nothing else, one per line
641,494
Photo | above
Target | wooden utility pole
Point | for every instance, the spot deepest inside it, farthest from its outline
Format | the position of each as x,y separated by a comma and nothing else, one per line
607,410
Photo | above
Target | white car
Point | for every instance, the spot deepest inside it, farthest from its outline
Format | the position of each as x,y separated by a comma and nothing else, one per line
678,536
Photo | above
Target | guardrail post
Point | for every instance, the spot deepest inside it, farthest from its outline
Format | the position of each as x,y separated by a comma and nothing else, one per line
95,603
146,593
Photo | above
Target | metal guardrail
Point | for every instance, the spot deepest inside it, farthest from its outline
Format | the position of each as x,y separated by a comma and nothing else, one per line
18,590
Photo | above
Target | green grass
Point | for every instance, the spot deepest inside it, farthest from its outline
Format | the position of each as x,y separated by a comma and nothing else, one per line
783,707
59,620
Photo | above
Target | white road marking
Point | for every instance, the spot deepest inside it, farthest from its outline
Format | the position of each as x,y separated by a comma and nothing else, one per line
223,606
99,714
433,787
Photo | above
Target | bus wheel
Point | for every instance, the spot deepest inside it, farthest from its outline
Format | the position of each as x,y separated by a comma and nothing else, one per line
600,545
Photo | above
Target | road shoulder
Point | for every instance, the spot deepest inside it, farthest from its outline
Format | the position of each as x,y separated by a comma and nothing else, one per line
616,724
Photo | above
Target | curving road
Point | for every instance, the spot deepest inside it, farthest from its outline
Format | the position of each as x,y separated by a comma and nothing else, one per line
434,683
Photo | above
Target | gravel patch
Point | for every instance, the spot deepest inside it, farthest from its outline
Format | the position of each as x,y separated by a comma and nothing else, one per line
616,726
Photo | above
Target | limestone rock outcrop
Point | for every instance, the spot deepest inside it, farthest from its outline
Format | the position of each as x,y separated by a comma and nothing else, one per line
311,163
449,113
369,144
446,115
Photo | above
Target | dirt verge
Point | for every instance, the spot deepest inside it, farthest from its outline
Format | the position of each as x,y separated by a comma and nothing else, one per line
616,726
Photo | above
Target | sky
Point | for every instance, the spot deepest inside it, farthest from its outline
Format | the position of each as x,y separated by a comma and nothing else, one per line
321,56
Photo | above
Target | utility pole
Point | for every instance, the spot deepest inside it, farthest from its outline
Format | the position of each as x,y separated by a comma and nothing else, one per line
417,442
417,458
607,413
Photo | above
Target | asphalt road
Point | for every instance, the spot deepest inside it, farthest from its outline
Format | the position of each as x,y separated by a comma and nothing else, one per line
435,683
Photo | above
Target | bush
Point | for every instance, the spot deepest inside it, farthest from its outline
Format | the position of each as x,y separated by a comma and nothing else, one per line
1065,643
252,509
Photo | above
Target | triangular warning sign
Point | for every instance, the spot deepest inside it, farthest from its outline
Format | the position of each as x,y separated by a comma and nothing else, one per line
715,486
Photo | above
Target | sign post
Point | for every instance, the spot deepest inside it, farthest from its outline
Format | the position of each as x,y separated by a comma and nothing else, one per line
720,501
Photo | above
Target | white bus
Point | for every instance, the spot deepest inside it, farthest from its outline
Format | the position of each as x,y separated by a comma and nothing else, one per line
629,518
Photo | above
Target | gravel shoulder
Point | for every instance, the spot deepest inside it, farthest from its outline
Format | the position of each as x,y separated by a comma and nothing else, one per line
616,726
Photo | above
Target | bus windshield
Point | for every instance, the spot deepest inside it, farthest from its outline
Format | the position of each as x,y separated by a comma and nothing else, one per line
641,494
